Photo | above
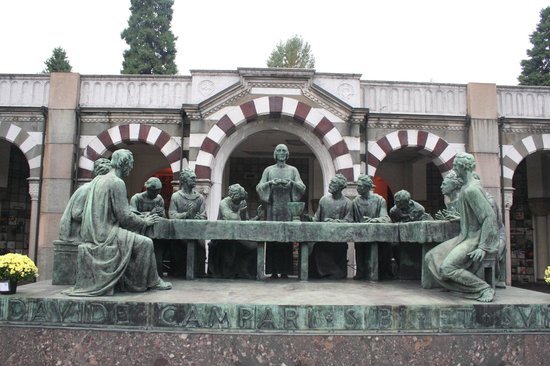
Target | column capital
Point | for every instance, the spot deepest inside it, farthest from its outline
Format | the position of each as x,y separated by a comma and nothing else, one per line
192,111
508,197
34,187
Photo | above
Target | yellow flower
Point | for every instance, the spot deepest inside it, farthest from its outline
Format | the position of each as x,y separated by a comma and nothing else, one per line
17,266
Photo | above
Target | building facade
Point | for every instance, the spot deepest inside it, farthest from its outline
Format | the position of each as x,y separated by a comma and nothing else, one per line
225,125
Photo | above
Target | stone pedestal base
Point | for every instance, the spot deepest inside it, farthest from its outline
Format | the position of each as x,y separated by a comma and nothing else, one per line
100,347
64,262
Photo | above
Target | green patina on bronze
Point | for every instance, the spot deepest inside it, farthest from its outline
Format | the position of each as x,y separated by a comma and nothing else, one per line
188,204
100,226
233,258
280,185
273,318
427,233
112,253
368,207
406,209
328,259
454,263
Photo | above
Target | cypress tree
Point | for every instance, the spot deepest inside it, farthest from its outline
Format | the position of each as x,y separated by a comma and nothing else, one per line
149,35
293,53
58,62
536,69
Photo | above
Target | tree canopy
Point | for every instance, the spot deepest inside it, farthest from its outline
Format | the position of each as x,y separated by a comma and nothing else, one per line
536,69
57,62
149,35
293,53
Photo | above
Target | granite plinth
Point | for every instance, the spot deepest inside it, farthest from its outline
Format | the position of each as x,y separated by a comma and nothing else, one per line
46,346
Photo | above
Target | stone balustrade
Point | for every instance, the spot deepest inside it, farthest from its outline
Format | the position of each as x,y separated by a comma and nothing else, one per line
523,102
414,98
24,90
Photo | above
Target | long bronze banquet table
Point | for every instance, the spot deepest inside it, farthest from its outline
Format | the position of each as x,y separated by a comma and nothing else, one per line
427,233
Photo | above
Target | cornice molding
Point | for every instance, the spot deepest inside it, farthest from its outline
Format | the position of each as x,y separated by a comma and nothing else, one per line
129,118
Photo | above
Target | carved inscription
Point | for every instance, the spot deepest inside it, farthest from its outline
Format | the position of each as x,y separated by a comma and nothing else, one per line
53,311
246,318
528,315
546,317
193,316
291,318
507,316
266,320
273,317
383,318
352,319
218,318
460,318
190,320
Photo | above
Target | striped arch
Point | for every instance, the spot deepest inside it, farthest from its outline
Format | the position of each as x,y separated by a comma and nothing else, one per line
274,106
150,135
26,143
441,150
520,151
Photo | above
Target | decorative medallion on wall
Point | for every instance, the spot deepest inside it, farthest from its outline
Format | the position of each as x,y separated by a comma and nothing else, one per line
346,91
206,87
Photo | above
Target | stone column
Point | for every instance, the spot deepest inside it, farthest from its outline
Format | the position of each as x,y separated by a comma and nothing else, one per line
508,202
540,208
483,135
34,189
59,152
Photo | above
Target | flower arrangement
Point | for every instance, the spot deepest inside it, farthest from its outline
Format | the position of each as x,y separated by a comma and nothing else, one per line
17,267
547,275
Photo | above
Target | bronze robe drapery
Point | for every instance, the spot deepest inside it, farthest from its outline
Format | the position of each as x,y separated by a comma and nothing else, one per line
329,260
112,255
279,255
232,258
449,262
374,206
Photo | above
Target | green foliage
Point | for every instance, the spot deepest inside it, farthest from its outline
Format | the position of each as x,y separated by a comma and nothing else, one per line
152,43
294,53
536,69
58,62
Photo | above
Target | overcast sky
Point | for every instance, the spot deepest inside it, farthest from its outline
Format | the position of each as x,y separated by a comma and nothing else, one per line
440,41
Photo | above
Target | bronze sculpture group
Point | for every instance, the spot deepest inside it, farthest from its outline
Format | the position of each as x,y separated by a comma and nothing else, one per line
114,253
